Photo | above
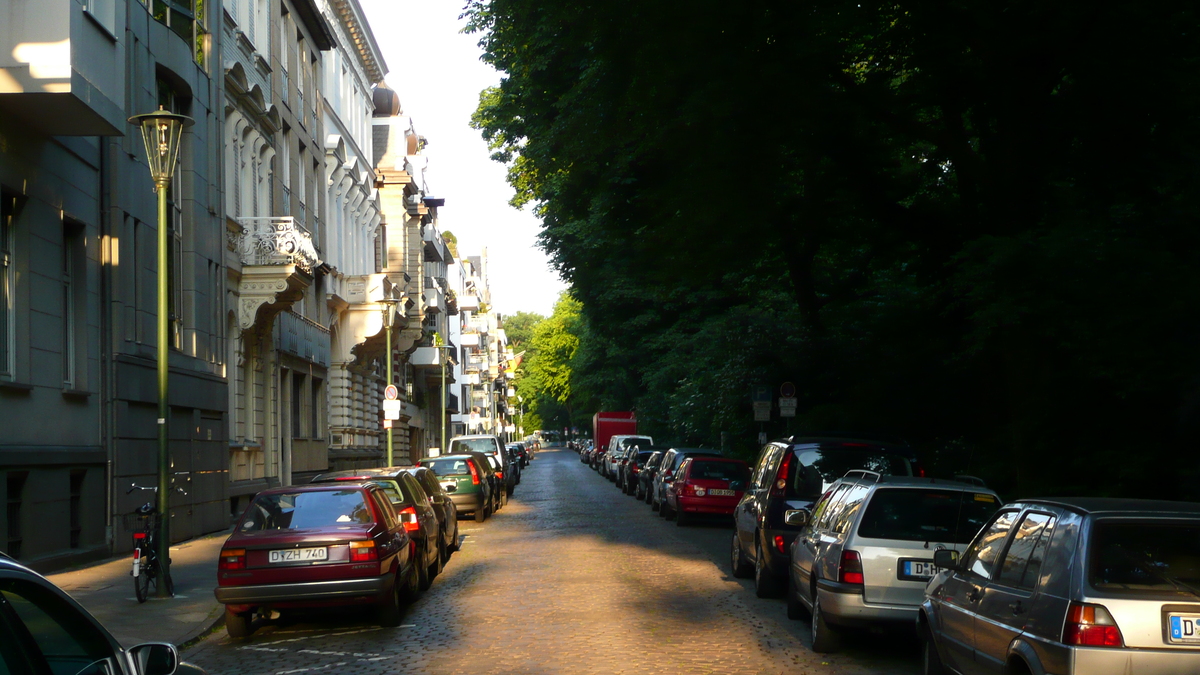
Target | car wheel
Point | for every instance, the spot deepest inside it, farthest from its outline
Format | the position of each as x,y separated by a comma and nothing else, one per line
390,611
654,505
931,661
666,511
824,639
239,624
682,519
765,584
509,491
637,493
481,514
737,560
795,608
454,542
423,579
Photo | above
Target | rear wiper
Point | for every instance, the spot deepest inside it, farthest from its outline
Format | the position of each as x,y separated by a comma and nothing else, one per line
1146,567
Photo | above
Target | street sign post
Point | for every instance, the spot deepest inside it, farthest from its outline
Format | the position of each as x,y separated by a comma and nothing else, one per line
787,407
391,393
762,411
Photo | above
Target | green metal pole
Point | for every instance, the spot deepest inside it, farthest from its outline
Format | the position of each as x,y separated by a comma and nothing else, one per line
442,353
164,451
388,356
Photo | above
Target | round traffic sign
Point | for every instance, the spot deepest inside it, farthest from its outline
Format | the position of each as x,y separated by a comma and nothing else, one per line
391,393
787,390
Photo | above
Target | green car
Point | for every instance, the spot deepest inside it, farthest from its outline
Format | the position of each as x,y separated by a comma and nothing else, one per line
468,479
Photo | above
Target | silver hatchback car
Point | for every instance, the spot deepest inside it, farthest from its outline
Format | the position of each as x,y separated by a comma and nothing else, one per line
867,552
1078,586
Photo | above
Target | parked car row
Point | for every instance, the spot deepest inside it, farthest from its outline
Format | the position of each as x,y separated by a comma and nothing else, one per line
359,537
853,535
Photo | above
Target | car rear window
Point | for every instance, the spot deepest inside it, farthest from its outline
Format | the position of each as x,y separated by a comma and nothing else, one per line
907,514
636,440
819,468
1129,557
710,470
487,445
447,467
306,510
389,488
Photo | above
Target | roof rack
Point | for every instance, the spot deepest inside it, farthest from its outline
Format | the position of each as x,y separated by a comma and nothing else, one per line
972,480
863,473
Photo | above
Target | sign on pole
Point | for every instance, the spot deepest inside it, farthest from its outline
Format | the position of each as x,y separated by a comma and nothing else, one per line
391,393
762,411
787,407
387,424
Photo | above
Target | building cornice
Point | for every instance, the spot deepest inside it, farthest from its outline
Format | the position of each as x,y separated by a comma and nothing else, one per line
350,13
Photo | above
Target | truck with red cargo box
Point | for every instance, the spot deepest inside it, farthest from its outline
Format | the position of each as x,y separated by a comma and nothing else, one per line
605,425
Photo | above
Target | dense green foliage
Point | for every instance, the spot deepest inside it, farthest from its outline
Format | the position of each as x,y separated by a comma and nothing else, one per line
974,225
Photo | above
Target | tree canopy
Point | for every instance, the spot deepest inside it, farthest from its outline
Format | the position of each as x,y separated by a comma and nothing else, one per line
974,225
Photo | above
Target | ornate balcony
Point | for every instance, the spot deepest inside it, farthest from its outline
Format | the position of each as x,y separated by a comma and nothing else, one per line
278,258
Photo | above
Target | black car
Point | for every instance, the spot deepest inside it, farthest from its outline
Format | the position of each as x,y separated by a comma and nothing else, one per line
792,474
443,506
631,469
45,631
645,479
520,452
414,508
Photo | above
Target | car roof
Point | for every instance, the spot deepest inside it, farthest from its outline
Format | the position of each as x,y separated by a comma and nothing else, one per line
914,481
366,474
718,458
456,438
317,487
457,455
1105,506
694,450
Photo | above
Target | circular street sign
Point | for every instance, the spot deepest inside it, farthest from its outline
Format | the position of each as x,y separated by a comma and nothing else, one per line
787,390
391,393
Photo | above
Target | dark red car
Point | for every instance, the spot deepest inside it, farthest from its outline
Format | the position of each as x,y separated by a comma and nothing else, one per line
316,546
706,486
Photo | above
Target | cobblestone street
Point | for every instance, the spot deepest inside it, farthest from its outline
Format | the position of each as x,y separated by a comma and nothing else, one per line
570,577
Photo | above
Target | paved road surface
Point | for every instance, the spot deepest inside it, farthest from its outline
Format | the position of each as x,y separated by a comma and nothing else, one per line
571,577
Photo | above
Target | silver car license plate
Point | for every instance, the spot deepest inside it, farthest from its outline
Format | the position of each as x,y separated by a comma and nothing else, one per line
919,569
1184,628
299,555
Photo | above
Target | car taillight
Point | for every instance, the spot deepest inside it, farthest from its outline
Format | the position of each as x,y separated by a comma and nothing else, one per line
474,473
779,543
777,490
850,569
1090,625
364,551
139,535
232,559
408,516
633,469
918,470
500,475
694,490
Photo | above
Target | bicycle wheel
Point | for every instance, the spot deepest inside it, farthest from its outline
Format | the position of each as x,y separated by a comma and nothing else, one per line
145,579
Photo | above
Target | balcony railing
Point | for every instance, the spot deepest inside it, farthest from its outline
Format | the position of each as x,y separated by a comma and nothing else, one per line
277,241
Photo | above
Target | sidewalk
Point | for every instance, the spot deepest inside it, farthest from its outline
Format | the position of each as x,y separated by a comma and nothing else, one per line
106,590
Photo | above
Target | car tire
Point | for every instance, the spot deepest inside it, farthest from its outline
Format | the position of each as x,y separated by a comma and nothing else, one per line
682,519
795,608
654,506
423,579
931,661
765,583
666,511
454,542
481,514
825,639
510,490
391,609
239,624
738,565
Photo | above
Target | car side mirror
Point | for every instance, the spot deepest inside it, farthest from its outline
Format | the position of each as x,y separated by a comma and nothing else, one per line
947,560
796,517
155,658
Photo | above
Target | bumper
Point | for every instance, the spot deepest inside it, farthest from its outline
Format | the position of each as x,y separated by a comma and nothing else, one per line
843,605
345,589
778,562
1098,661
467,502
700,505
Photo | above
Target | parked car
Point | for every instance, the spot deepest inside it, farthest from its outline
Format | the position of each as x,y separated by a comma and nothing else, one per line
489,445
413,507
632,469
520,451
645,477
619,448
1079,586
465,478
666,472
46,631
867,551
704,487
792,474
443,506
316,545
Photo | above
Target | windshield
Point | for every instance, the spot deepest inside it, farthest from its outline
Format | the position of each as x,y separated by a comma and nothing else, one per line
1132,558
487,445
447,467
946,516
819,468
307,510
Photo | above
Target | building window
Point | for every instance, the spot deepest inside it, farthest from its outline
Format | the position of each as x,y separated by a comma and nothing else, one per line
74,269
169,100
15,482
8,279
188,20
318,409
298,406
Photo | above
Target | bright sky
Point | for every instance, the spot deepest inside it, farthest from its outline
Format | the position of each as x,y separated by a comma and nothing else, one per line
438,74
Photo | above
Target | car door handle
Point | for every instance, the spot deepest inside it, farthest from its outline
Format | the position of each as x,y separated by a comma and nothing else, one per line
1016,607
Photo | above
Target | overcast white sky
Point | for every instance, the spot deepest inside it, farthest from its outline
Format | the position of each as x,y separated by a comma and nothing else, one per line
438,74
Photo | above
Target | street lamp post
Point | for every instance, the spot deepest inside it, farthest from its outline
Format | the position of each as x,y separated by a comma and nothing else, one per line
441,345
161,132
389,317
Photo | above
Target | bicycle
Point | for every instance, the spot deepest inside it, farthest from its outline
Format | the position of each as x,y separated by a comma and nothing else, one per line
144,523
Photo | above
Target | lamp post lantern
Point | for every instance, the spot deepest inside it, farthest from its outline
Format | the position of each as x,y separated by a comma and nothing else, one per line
161,132
389,317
